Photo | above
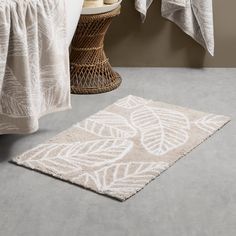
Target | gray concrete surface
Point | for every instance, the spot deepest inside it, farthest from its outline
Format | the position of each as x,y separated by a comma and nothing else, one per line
195,197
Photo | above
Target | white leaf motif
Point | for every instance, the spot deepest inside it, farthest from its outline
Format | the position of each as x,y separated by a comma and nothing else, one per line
46,24
34,72
125,179
85,180
71,156
4,36
162,130
108,124
101,152
131,102
13,99
210,123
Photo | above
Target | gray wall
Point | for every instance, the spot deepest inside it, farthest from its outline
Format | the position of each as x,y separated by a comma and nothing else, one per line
160,43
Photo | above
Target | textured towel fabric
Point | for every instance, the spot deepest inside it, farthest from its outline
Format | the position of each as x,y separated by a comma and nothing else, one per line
142,6
34,64
194,17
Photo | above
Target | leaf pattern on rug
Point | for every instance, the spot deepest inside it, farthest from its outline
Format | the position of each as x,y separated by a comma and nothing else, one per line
210,123
51,157
117,151
73,155
127,178
85,179
162,130
108,124
131,102
101,152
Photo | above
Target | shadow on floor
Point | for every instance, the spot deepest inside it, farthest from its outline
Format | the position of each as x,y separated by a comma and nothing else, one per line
8,141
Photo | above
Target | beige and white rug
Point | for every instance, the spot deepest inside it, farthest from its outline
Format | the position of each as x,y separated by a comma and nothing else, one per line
119,150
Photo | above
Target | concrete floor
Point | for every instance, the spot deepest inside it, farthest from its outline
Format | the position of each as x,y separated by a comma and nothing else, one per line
196,197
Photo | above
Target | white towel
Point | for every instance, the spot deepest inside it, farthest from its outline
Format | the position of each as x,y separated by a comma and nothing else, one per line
142,6
194,17
34,63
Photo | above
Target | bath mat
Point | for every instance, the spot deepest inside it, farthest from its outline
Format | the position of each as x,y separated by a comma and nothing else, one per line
120,149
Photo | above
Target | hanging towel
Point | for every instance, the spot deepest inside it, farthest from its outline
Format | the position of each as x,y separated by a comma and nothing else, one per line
142,6
34,63
194,17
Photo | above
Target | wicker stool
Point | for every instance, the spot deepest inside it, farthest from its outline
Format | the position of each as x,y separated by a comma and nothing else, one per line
90,69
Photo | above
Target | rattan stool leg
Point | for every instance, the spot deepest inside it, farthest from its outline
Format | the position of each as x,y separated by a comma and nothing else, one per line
90,69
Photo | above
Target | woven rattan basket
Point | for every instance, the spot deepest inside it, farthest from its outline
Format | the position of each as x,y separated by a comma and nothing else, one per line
90,69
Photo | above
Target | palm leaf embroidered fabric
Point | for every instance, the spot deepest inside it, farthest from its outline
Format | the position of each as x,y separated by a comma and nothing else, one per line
161,129
119,150
34,66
